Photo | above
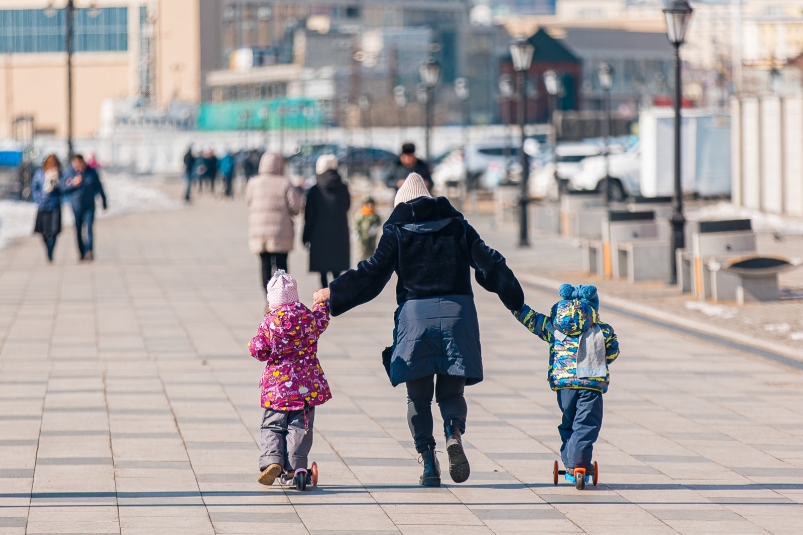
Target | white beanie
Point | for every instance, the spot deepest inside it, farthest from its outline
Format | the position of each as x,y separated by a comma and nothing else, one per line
325,163
413,188
282,289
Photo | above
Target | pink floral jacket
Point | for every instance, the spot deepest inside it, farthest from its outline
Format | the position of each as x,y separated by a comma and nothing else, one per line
288,341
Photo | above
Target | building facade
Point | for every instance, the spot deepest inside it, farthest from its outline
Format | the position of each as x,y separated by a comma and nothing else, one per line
147,50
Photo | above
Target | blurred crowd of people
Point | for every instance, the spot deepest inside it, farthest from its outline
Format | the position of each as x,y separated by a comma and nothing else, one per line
203,169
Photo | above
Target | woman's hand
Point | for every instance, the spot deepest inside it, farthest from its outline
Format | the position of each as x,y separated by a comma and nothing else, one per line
321,296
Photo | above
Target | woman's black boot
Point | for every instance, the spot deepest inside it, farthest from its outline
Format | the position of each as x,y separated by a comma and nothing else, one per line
432,470
459,468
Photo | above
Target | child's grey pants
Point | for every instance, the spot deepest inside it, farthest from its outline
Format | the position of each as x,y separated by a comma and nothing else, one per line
285,441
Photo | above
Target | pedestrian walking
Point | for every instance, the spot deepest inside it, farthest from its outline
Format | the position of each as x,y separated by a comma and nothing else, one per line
293,382
581,347
368,224
83,185
436,340
326,223
189,168
46,192
211,169
408,163
272,202
227,170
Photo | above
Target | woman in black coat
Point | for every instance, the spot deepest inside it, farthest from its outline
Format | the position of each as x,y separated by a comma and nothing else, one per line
431,248
326,223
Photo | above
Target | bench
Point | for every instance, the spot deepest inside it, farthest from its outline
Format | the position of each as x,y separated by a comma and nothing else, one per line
711,241
643,260
750,278
581,214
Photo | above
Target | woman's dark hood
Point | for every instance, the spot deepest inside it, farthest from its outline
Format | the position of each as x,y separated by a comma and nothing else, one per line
423,210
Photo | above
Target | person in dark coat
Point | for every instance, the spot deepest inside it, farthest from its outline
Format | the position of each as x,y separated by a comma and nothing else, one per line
83,185
46,192
408,163
189,166
211,169
432,249
326,223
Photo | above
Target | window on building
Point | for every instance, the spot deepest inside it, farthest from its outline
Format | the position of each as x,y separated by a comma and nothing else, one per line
353,12
25,31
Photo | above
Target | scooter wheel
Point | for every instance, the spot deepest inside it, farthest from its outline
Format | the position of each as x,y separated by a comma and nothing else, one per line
595,477
579,478
301,480
313,474
555,474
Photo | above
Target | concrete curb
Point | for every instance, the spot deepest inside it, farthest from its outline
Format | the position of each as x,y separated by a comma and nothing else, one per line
707,331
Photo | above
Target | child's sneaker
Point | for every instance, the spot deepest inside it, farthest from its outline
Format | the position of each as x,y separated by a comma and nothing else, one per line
269,474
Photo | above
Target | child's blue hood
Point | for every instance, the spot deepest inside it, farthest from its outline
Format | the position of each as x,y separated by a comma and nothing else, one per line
573,317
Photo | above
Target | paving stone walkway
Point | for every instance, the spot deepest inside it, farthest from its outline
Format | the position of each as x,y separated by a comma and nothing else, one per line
128,404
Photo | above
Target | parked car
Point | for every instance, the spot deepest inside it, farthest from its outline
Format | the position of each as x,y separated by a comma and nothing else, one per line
624,170
486,162
569,156
302,161
363,160
450,171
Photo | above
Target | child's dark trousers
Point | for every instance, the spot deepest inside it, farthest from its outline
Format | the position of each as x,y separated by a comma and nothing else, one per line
286,439
579,429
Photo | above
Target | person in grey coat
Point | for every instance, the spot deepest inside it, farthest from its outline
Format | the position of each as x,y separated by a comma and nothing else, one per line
432,249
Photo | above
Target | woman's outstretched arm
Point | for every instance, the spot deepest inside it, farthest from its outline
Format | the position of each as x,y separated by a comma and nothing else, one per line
358,286
492,272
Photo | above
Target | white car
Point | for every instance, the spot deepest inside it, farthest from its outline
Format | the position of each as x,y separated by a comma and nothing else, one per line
570,156
450,172
624,170
486,162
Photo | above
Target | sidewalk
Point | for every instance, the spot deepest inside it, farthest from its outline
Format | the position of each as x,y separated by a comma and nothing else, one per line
128,404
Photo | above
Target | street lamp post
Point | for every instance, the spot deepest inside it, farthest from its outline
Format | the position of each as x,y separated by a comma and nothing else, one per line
400,96
506,91
606,82
521,51
553,87
430,72
461,90
51,11
678,14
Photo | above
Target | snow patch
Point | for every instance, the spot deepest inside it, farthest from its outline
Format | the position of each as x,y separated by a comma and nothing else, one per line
777,327
796,336
17,220
125,195
714,311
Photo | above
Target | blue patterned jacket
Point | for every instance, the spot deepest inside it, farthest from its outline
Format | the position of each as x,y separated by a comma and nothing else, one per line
569,318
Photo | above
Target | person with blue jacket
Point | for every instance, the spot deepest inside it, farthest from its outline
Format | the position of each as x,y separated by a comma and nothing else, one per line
46,192
580,349
82,184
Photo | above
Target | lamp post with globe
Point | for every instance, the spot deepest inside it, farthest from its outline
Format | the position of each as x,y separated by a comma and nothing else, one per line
521,51
677,14
430,72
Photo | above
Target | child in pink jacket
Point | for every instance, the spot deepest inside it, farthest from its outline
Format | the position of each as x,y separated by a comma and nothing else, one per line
293,383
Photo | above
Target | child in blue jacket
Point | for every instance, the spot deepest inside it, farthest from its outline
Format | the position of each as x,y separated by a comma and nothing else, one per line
581,348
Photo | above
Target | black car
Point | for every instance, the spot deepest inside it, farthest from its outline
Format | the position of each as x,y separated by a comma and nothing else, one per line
361,160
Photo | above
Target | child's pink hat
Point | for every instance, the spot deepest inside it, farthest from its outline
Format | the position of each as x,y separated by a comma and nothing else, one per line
282,289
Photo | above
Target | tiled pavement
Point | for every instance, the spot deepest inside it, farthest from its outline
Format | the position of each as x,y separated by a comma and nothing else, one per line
128,405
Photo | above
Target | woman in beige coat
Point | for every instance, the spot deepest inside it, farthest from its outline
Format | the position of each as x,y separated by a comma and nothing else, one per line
272,202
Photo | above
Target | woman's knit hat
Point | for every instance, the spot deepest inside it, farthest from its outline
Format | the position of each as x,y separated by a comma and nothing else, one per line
413,188
282,289
325,163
